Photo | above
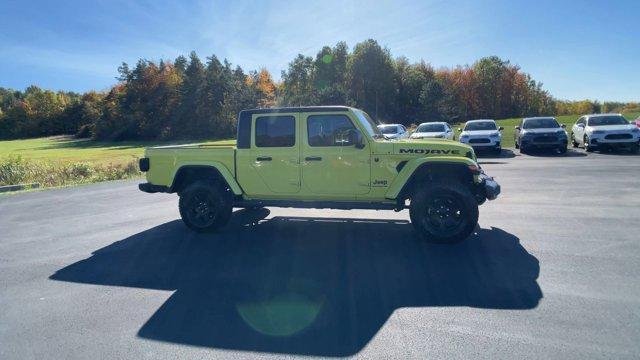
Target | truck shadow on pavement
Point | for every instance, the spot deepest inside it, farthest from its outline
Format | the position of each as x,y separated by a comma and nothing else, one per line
305,285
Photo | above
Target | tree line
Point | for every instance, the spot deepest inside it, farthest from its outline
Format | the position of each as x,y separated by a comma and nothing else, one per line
190,99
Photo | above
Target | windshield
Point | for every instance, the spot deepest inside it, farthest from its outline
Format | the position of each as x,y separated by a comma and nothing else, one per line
545,123
369,124
388,129
607,120
430,128
480,125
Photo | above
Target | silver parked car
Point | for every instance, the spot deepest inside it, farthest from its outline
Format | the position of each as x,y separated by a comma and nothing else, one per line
433,130
393,131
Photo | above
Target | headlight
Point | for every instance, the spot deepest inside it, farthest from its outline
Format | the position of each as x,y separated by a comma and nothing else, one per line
494,136
597,132
635,130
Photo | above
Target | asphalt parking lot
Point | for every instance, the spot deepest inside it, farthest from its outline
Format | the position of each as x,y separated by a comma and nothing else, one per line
106,271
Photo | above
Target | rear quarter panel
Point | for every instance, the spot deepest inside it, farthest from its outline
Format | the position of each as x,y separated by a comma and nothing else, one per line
165,162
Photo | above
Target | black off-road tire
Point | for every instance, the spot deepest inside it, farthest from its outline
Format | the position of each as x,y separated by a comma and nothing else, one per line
205,206
444,203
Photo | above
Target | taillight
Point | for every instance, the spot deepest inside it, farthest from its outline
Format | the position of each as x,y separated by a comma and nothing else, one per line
144,164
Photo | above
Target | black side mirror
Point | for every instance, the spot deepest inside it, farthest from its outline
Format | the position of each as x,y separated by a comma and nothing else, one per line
500,128
517,127
563,126
356,139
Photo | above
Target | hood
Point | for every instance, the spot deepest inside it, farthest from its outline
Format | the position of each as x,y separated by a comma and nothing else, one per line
479,133
543,131
627,127
427,134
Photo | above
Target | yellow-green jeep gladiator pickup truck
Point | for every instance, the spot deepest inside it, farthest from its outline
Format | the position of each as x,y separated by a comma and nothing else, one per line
323,157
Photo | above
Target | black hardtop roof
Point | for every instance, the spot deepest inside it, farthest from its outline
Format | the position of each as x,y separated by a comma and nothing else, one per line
297,109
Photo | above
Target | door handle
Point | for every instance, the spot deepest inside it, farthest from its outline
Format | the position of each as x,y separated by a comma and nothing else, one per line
313,158
264,158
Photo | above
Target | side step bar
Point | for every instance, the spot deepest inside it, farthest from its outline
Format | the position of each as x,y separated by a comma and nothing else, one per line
339,205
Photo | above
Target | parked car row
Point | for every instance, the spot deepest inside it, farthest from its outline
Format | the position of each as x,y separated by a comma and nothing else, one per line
596,131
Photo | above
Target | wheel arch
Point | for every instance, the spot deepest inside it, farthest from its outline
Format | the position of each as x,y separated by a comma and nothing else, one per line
187,173
419,170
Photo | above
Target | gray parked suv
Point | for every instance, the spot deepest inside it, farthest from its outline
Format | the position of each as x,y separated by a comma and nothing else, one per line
540,133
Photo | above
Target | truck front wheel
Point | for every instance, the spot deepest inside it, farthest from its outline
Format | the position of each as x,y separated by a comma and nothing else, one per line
205,206
444,212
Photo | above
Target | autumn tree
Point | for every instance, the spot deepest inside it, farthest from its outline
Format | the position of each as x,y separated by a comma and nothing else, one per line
370,79
191,99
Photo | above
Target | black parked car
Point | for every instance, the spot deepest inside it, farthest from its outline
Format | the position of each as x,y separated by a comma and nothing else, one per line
541,133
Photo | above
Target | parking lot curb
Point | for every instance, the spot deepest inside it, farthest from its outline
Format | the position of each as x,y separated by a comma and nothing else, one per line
9,188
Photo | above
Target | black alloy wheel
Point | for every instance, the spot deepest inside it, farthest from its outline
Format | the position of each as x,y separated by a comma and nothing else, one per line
204,206
444,212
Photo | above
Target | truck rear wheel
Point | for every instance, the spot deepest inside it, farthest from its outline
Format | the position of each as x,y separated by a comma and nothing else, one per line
205,206
444,212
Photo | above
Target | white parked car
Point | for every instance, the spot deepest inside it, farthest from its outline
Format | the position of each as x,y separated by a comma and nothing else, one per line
393,131
482,134
599,131
433,130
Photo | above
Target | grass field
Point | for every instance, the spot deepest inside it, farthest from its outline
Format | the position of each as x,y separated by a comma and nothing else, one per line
61,161
509,126
68,149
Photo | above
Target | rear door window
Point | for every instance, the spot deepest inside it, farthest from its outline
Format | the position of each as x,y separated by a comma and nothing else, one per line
275,131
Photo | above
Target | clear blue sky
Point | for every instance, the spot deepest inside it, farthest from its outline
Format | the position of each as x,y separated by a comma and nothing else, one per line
578,49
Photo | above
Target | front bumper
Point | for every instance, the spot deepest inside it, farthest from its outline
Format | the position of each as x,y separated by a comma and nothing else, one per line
544,141
601,140
490,187
489,142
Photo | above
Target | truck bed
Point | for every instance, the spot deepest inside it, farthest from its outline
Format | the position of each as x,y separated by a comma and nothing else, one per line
166,160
